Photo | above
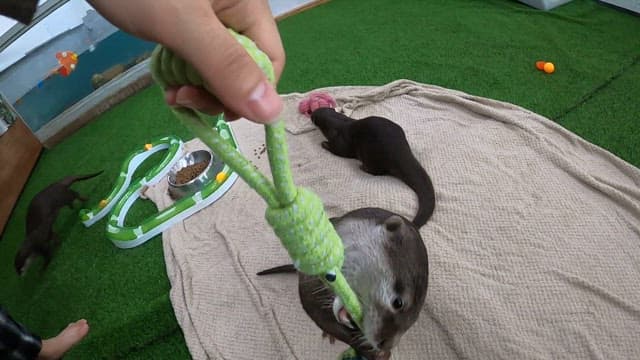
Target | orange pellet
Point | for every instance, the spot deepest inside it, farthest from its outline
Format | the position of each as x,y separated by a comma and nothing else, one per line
221,177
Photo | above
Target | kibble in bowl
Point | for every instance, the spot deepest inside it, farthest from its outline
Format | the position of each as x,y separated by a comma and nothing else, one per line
189,174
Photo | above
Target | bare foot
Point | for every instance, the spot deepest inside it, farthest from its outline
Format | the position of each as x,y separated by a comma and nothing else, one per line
57,346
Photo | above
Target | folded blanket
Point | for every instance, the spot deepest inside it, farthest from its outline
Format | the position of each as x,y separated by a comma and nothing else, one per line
534,245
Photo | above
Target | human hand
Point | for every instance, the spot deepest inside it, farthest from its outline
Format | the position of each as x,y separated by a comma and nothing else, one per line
197,31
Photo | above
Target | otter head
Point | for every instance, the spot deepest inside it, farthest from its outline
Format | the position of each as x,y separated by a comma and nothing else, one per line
333,126
389,273
328,118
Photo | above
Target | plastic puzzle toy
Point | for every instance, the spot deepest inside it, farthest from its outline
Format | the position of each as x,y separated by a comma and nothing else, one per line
124,193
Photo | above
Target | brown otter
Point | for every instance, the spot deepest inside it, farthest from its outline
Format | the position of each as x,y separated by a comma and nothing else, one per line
43,210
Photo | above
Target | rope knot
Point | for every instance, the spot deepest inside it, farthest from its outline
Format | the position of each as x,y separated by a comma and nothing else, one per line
307,234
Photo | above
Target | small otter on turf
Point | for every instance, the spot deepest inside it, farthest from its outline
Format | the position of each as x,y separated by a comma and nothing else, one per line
43,210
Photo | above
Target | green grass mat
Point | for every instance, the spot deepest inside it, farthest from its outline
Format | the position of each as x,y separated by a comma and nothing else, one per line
611,119
486,48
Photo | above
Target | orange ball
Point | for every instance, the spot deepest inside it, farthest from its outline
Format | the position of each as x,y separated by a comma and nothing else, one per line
549,68
540,65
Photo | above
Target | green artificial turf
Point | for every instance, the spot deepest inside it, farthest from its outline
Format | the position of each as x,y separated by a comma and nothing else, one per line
123,293
486,48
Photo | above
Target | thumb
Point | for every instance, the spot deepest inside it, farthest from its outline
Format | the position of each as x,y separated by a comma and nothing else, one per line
228,71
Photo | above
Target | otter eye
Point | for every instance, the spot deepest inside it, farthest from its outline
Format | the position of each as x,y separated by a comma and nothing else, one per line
397,303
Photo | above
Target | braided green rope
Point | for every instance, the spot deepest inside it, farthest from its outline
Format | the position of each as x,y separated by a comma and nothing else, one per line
296,214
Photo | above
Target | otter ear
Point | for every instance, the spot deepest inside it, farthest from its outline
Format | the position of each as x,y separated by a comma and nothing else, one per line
393,223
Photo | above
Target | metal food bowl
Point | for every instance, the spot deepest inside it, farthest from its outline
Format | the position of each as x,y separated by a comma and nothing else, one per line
214,166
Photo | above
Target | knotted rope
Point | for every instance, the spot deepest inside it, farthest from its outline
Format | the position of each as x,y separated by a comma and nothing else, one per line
296,214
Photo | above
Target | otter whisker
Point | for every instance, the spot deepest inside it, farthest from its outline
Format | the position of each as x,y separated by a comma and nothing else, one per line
318,290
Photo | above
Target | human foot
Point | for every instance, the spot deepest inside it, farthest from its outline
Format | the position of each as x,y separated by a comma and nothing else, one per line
57,346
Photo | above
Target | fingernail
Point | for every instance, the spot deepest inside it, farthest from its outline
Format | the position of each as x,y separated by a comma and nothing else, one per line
265,103
170,96
183,101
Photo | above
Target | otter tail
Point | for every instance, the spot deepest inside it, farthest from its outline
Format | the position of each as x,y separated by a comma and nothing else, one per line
415,176
279,270
71,179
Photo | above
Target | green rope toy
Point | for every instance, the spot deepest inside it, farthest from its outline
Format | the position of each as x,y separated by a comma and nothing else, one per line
296,214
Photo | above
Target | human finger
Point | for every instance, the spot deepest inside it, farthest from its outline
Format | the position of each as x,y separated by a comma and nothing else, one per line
228,71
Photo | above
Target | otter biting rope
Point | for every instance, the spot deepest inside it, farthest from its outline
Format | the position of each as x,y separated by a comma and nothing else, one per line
296,214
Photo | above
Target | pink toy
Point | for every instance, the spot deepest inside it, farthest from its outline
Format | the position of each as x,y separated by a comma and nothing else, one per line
315,101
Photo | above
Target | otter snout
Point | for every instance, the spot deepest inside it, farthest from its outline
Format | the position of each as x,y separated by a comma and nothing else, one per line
329,118
385,345
18,265
315,115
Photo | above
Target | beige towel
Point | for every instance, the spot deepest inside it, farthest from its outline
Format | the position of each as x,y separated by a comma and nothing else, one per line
534,245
